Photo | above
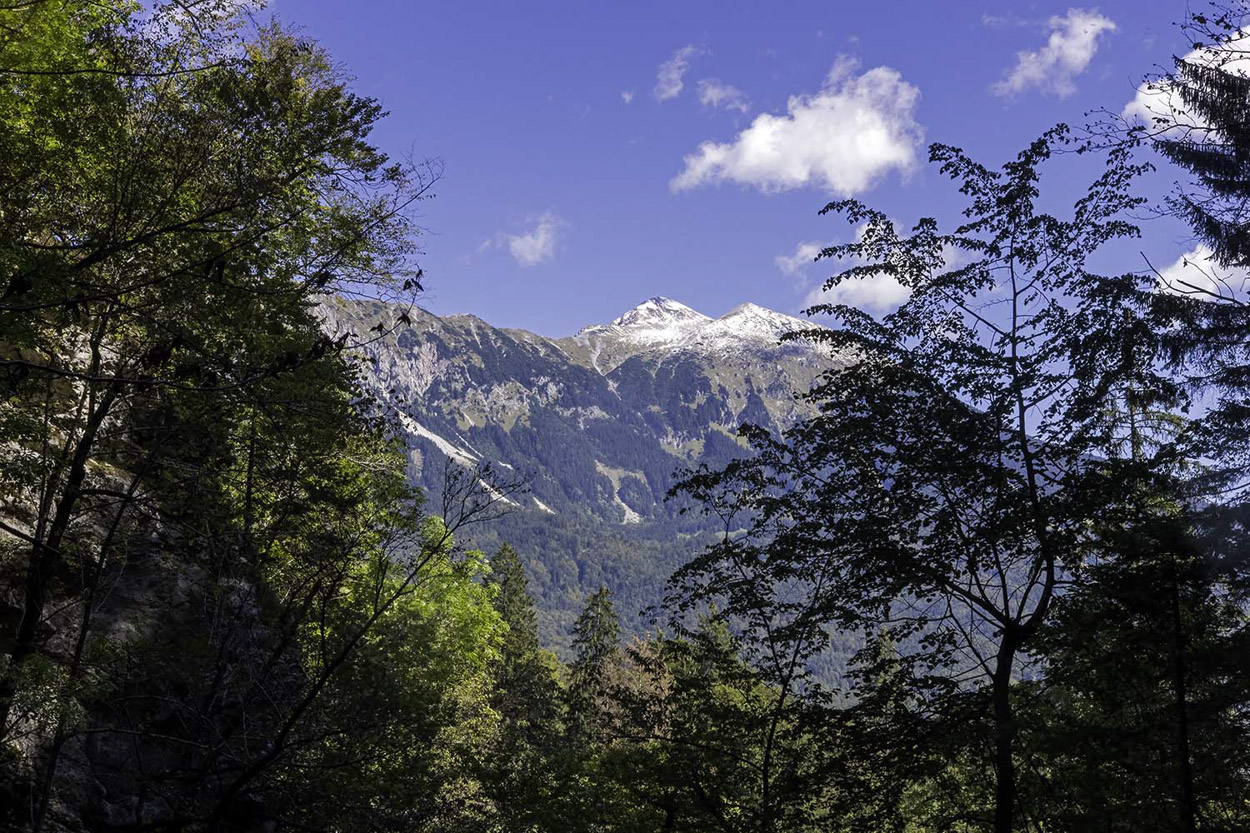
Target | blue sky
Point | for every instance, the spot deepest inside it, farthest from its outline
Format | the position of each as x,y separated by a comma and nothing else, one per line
597,154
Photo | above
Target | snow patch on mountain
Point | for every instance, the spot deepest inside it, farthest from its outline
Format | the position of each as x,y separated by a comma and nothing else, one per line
460,455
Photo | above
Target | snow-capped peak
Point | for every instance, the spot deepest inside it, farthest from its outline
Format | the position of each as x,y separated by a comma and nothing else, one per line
664,324
752,319
655,321
658,311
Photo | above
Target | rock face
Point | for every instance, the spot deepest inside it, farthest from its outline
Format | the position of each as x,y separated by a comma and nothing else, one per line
599,421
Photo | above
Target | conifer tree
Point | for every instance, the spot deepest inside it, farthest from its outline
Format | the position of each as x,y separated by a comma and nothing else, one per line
524,689
517,774
1200,121
1142,707
595,636
588,798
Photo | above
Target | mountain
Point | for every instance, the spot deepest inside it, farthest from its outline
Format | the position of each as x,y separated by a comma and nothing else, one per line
599,423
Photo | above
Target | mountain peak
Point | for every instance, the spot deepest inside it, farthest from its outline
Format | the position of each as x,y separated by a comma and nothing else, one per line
664,325
655,321
748,309
752,318
658,309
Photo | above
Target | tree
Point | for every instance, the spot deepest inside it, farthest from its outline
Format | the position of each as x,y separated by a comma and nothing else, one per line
395,737
1171,591
595,645
248,190
516,608
952,478
1140,717
210,534
518,772
712,746
587,799
1197,120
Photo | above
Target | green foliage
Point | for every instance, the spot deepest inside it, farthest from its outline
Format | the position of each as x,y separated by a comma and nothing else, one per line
518,770
405,718
516,608
216,539
1141,712
1201,129
595,646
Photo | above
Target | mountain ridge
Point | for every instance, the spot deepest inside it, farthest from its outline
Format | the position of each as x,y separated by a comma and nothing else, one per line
660,323
599,423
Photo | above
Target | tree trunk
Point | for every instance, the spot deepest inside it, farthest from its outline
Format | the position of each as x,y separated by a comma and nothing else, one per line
1004,740
46,554
1180,695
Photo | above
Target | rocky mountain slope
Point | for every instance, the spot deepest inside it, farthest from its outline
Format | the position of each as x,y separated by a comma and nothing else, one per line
598,422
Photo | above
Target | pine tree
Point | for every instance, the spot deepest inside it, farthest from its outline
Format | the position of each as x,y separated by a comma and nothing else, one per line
1175,592
1203,126
1142,703
524,686
517,774
595,636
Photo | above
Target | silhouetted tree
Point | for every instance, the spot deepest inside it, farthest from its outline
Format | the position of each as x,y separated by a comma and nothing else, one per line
1140,715
961,455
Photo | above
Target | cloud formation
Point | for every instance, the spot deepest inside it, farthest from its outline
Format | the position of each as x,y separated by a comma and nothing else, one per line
842,139
538,245
670,78
1067,53
716,94
878,294
627,96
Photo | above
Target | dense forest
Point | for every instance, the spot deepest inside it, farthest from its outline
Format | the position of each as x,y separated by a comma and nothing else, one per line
1021,516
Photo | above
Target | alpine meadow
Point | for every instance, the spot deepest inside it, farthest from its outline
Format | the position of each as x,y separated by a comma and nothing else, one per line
553,417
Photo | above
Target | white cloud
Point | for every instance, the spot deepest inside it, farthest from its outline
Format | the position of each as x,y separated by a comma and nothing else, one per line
1067,53
843,138
1196,274
714,93
799,262
1154,104
537,245
669,79
876,294
627,96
